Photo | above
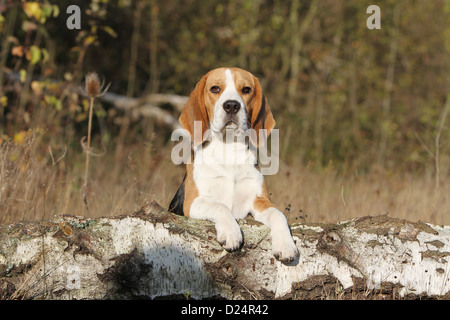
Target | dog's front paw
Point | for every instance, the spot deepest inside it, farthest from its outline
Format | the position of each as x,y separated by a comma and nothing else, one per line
284,248
229,235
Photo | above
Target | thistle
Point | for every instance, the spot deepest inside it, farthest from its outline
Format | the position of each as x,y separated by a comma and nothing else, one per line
92,86
93,89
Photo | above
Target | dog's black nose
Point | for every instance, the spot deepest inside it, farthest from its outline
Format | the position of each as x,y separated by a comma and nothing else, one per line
231,106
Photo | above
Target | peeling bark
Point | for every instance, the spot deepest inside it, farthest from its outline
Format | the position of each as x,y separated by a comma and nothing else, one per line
154,253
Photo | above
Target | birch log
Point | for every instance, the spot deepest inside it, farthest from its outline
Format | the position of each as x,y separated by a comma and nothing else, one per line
154,254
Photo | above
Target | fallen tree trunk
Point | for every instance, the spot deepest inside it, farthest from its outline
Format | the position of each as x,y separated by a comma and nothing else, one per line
154,253
146,106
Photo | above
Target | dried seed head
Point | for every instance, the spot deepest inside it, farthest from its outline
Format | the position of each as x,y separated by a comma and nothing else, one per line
93,85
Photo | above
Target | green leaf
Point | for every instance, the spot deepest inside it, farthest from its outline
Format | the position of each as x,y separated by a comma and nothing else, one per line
47,10
89,40
45,55
23,75
32,9
4,101
109,31
55,11
2,21
35,54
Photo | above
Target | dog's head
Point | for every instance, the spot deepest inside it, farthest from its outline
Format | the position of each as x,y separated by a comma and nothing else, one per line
228,98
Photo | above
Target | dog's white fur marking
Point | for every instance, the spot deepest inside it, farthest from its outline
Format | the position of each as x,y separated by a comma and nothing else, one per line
282,243
226,189
230,93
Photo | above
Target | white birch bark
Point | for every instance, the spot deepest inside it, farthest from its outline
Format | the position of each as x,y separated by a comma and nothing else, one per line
154,254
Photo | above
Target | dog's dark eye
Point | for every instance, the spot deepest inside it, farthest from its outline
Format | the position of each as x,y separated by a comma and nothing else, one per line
215,89
246,90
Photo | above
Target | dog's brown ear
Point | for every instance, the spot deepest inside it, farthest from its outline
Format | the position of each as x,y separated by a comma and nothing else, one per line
195,111
260,117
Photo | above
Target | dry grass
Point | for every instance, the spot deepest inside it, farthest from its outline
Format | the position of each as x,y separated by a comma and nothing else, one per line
328,197
39,179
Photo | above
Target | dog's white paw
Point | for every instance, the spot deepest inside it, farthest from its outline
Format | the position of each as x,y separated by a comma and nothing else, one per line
229,235
284,248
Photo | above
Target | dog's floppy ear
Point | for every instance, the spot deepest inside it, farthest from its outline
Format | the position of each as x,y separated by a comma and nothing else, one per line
195,111
260,117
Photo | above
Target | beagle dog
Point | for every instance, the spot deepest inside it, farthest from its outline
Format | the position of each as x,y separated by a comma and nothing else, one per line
220,188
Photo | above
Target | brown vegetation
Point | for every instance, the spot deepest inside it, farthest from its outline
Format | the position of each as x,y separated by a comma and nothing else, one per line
363,114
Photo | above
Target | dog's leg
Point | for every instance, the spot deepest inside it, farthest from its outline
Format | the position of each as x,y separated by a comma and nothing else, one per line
176,205
283,246
229,235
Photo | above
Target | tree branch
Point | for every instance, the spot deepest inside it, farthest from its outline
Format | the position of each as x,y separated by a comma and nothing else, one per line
145,106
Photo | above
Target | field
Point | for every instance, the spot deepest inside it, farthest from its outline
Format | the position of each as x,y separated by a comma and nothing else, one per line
362,114
39,181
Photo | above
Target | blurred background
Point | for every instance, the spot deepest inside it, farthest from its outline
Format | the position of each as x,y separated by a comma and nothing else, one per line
362,114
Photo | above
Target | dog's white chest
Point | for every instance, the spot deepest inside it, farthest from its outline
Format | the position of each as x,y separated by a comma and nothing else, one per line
226,172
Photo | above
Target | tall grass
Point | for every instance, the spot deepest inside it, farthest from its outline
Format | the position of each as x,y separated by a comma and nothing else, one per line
326,195
38,179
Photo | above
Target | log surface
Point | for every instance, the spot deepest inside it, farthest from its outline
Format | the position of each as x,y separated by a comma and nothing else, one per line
156,254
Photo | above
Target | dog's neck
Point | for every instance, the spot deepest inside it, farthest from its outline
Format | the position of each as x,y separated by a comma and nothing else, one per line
228,147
